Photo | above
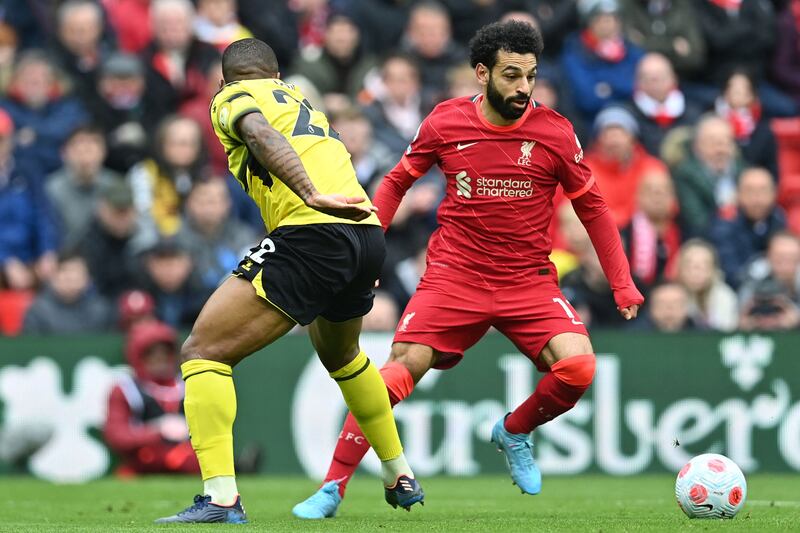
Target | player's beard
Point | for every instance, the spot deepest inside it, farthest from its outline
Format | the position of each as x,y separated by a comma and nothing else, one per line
503,105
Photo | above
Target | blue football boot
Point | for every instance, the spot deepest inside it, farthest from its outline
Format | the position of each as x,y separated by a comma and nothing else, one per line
203,511
322,504
405,493
518,449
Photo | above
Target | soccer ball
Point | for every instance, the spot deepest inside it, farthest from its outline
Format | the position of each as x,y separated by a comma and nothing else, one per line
710,486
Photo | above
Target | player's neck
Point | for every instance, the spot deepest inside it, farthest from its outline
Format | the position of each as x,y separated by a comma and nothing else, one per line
491,114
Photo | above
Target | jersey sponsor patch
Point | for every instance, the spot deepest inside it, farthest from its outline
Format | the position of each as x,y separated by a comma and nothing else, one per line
224,116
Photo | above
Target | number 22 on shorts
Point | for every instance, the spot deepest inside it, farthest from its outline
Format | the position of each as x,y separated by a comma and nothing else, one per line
267,246
567,310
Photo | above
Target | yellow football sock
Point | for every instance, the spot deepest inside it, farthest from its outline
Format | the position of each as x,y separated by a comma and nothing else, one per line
210,407
365,394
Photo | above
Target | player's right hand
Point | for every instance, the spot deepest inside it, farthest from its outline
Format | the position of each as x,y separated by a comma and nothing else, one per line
629,312
628,301
341,206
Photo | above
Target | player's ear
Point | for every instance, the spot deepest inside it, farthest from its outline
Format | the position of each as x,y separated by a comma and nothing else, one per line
278,75
221,83
482,73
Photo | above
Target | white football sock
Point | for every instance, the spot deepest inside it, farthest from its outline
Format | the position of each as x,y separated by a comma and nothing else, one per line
222,490
394,468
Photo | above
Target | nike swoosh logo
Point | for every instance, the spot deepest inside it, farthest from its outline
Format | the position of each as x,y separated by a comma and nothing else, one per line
707,506
460,146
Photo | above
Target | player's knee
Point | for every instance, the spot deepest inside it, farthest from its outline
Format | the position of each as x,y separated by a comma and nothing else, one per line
335,357
194,348
416,361
189,350
577,371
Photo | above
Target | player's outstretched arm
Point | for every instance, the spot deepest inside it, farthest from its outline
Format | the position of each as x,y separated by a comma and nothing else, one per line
275,154
596,218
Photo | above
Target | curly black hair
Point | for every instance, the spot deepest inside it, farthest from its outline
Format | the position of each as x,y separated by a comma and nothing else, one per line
511,36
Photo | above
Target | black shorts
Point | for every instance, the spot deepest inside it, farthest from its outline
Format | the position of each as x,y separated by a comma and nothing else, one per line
326,270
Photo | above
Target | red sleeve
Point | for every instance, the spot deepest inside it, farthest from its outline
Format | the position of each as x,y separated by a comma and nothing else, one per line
122,432
421,153
391,191
599,223
573,173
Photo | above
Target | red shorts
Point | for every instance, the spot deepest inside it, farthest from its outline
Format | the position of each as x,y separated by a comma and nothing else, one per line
450,314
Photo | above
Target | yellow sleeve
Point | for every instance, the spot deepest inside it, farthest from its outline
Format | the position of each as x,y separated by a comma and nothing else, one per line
231,106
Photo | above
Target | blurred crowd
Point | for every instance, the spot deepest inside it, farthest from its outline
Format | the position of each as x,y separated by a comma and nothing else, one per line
115,195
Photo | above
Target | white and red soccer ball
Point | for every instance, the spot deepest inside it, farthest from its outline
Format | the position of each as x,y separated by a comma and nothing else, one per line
710,486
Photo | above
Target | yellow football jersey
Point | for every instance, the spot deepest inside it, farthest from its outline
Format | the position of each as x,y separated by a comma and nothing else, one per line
326,160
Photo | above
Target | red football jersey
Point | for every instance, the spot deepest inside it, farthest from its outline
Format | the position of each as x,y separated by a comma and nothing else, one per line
495,218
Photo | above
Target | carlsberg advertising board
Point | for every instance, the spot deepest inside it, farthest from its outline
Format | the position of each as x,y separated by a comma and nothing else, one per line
656,401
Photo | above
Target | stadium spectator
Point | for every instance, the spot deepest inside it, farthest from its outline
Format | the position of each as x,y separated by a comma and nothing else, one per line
668,28
570,240
119,109
134,307
467,17
618,161
739,104
396,112
706,179
556,19
712,303
197,110
757,218
740,35
667,311
767,308
8,54
786,59
74,189
598,62
273,21
652,238
167,276
27,22
112,240
658,103
160,184
461,81
131,22
69,303
176,61
218,24
770,296
42,111
145,424
215,240
80,46
587,290
28,238
343,62
429,41
384,314
310,17
370,158
402,278
382,21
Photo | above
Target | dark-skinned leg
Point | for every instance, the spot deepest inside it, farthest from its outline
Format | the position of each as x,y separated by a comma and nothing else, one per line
234,323
363,389
407,364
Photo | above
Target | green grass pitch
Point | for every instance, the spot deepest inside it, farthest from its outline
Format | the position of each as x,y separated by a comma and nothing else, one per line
485,504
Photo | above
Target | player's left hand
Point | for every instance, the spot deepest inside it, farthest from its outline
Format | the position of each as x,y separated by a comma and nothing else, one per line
629,312
341,206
